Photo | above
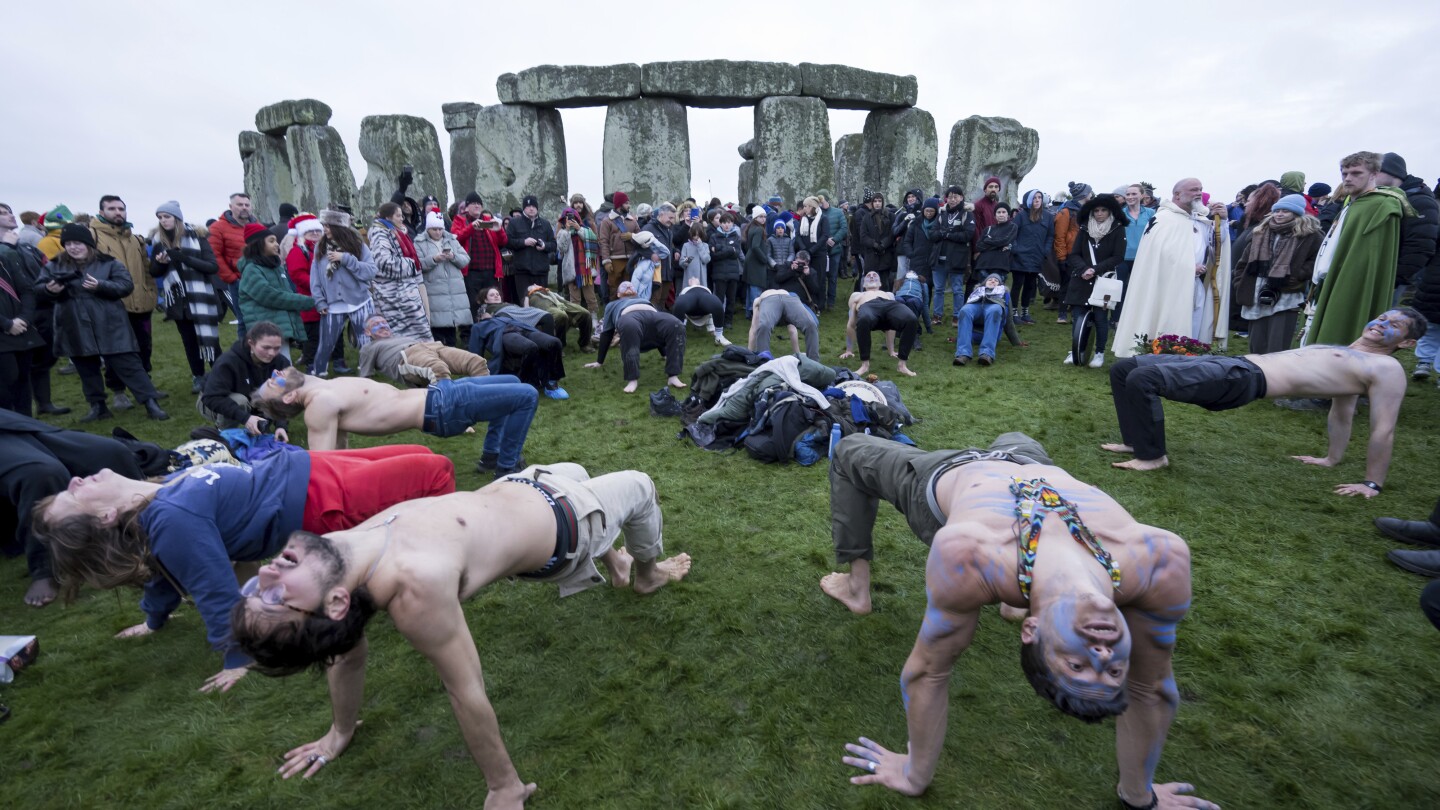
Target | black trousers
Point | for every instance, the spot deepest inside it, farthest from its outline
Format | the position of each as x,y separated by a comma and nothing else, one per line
191,342
1137,384
729,293
884,315
699,303
537,358
140,327
15,381
127,369
1430,602
646,330
42,358
40,464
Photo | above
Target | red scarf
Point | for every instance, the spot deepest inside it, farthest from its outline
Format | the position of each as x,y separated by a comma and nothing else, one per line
407,247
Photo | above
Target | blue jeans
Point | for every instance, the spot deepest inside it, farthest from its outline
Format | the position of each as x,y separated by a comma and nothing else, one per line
1425,350
832,279
955,283
993,315
501,400
751,293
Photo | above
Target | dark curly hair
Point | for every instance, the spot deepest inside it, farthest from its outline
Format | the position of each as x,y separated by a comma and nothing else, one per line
315,641
1046,685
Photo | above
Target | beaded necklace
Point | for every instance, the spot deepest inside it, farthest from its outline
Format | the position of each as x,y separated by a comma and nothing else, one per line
1034,500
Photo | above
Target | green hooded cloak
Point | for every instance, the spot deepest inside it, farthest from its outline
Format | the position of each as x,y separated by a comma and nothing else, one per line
1361,281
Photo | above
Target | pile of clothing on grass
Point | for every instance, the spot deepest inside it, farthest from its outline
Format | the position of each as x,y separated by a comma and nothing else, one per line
785,408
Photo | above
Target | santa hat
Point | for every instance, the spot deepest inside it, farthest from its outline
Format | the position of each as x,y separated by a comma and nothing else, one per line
305,223
435,219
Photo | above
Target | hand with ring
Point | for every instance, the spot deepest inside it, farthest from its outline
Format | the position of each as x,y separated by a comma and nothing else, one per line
308,759
882,767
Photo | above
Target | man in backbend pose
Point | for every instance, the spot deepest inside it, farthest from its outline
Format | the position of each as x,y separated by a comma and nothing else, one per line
873,309
1103,599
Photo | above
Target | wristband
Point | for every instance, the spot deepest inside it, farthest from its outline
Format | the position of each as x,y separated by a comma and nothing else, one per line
1371,484
1154,801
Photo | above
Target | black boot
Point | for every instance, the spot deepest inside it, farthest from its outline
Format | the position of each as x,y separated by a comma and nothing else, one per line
1418,532
152,410
97,412
51,409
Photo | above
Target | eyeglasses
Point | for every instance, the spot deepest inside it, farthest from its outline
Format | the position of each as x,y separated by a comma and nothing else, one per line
273,595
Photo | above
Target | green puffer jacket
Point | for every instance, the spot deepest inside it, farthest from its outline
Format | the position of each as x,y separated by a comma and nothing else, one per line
266,295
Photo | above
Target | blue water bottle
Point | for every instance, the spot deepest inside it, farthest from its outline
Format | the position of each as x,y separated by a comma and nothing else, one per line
834,439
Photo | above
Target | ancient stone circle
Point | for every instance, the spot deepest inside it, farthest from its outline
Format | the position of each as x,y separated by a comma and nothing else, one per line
517,147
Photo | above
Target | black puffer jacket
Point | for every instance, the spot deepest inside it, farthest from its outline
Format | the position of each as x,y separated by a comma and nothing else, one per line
89,322
236,372
726,251
876,242
531,259
1418,234
952,243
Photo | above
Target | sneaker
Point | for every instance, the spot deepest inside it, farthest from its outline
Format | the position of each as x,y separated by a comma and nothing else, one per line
960,360
554,391
1062,319
1245,335
986,360
720,338
1421,372
122,402
196,384
1098,360
1069,358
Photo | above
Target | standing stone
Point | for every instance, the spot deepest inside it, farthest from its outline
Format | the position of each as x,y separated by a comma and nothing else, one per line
900,152
647,149
319,167
850,168
506,151
747,149
719,82
267,173
792,149
746,186
389,143
981,147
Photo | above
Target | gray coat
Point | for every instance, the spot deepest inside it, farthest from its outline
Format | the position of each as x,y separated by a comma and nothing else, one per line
444,283
89,322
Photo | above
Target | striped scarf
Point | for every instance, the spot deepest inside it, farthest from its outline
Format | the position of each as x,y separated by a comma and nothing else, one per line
191,292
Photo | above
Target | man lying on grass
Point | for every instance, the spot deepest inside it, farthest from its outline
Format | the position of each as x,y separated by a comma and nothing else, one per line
1217,383
182,536
418,561
1104,598
335,408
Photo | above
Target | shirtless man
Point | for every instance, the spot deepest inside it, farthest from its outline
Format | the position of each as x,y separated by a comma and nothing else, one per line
881,312
418,561
641,327
1103,599
335,408
1365,367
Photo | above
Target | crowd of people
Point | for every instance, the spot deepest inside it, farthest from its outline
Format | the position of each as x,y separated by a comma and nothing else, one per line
467,313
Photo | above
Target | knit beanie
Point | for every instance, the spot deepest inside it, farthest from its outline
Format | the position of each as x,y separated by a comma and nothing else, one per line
620,199
172,208
57,218
435,219
1294,203
528,201
643,210
288,212
1393,165
1079,190
473,197
757,213
1293,182
932,202
76,233
1319,189
255,232
990,180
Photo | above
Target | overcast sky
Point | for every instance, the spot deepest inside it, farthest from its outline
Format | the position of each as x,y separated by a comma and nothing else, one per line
146,100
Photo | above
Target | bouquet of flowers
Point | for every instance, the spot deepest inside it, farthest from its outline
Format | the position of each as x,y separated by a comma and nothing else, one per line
1170,344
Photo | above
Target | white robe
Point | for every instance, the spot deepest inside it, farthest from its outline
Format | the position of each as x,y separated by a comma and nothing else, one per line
1165,297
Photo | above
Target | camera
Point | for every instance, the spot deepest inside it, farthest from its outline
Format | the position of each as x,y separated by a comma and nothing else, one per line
1267,296
264,425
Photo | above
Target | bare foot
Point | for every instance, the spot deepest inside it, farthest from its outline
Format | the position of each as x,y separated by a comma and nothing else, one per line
1012,614
617,561
653,577
840,587
41,593
904,369
1116,447
864,369
674,382
631,386
1143,464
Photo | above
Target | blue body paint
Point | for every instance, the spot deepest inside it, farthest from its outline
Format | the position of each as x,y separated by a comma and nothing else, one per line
904,693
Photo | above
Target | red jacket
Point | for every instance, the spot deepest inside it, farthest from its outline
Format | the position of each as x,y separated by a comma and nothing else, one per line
227,241
483,245
297,265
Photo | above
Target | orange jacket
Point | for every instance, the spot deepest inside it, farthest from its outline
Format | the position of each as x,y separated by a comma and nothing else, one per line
227,241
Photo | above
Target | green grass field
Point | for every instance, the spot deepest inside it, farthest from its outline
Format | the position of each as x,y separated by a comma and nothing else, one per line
1308,673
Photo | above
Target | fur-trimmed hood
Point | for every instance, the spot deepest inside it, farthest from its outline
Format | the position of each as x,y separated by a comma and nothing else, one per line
1109,203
